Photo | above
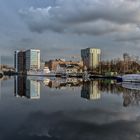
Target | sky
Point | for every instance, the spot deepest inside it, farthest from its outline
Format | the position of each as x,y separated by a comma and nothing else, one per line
61,28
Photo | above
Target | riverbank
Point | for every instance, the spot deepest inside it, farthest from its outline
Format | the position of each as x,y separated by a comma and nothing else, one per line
78,75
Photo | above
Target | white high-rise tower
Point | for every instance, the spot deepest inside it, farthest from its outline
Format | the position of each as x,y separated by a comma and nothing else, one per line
32,59
91,57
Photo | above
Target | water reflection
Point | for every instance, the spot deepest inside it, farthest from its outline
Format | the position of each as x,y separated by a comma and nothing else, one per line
92,90
4,78
131,93
25,87
94,110
65,83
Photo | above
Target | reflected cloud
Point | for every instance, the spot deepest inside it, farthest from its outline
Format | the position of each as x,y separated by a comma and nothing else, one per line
63,126
71,117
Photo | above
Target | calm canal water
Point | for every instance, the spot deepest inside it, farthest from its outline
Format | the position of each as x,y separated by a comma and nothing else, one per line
37,108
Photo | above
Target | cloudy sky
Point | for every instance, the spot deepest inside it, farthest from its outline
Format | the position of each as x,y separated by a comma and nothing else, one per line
61,28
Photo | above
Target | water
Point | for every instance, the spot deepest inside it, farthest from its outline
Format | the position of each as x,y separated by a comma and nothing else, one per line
37,108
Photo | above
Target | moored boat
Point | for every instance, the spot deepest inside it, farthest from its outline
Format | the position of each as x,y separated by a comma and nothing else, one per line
44,72
131,78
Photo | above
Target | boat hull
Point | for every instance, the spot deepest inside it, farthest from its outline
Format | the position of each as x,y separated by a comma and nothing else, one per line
131,78
41,74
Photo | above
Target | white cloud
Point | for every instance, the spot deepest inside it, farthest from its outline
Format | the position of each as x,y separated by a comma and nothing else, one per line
84,16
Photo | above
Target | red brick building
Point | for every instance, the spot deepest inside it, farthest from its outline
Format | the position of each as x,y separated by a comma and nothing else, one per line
52,64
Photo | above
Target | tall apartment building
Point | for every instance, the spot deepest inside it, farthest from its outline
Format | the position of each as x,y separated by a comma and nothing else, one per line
32,59
27,60
19,61
91,57
16,60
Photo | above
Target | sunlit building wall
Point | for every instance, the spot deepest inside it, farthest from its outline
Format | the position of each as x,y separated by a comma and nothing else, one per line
32,59
16,60
91,57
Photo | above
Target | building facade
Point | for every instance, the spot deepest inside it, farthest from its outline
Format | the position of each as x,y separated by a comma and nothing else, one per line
27,60
32,59
68,68
16,60
91,57
21,61
53,64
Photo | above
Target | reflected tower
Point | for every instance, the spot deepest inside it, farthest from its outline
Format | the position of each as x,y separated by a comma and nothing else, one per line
90,90
20,86
32,89
24,87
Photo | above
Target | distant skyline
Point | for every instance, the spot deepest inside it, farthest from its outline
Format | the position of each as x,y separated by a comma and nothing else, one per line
61,28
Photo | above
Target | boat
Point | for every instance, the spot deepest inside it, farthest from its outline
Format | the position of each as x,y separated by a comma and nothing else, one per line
44,72
131,78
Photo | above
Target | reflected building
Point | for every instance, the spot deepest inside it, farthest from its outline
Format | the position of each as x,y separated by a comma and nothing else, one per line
32,89
24,87
64,83
90,90
130,91
20,86
46,81
131,94
131,98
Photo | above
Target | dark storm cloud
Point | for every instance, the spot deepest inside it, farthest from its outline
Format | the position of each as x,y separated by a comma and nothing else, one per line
84,16
69,24
129,39
132,37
